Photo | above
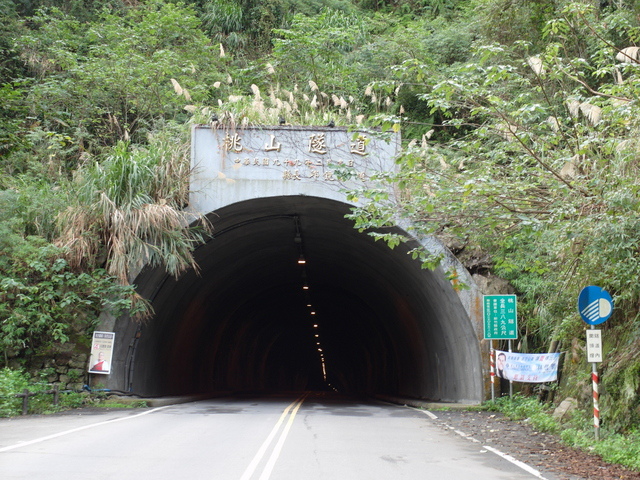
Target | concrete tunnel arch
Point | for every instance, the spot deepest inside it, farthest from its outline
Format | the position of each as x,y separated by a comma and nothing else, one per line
241,324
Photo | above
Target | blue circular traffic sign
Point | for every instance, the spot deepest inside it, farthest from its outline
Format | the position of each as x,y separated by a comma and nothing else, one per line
595,305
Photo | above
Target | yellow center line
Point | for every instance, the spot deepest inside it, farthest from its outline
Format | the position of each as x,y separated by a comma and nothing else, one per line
266,473
265,445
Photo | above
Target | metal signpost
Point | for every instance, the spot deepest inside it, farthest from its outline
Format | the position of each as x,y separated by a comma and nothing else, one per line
500,315
595,306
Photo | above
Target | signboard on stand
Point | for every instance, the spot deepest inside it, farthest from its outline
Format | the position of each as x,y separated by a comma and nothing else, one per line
500,317
595,306
101,352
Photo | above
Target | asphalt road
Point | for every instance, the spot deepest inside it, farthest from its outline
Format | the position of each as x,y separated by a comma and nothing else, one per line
317,436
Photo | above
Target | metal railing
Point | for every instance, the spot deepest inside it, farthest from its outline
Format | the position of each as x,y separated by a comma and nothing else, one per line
26,394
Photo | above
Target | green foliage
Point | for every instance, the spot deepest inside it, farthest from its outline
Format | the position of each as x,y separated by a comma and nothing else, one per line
510,21
12,118
69,400
14,382
11,382
111,79
316,45
612,447
526,408
533,159
245,26
43,302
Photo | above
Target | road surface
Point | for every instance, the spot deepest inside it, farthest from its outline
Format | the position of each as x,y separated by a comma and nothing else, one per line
310,437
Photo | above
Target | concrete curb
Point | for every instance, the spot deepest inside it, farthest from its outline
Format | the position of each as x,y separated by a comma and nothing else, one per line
164,401
425,404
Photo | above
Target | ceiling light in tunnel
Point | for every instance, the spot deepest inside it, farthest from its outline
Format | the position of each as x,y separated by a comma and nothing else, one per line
315,325
316,335
301,260
305,287
319,349
313,313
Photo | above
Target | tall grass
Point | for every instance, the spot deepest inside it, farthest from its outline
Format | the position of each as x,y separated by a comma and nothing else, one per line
126,211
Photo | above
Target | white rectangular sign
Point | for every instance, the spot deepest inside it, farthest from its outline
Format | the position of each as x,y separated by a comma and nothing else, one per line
594,346
527,367
101,352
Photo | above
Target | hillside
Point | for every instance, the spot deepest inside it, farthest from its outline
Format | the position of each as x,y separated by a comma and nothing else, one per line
520,148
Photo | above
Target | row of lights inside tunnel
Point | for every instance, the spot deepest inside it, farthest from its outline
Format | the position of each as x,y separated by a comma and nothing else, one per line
302,262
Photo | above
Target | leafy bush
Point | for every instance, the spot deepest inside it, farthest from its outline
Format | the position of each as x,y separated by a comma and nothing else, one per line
44,302
11,382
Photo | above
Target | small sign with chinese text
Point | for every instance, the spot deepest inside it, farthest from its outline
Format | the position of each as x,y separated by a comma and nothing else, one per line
594,346
527,367
500,317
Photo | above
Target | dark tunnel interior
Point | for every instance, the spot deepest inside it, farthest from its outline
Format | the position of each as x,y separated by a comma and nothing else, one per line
356,317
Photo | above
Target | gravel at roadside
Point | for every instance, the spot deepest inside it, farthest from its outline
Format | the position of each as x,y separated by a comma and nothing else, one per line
542,451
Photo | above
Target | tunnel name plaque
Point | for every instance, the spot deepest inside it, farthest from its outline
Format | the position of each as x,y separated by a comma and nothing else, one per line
266,161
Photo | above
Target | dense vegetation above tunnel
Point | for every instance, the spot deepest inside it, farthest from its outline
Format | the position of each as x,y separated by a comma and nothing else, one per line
519,120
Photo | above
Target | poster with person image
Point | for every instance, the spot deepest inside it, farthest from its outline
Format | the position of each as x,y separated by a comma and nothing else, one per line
527,367
101,352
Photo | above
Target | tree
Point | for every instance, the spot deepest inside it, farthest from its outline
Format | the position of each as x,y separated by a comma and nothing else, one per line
110,80
535,163
43,303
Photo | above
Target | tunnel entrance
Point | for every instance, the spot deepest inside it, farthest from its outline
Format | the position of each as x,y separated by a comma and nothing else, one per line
357,317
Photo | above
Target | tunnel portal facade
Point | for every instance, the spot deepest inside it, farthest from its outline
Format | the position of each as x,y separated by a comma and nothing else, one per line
288,296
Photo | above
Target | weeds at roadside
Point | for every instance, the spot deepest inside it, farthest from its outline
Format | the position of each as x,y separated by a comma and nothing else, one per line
576,432
14,382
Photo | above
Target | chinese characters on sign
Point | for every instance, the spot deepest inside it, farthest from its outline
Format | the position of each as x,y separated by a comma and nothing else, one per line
500,317
313,157
527,367
232,143
594,346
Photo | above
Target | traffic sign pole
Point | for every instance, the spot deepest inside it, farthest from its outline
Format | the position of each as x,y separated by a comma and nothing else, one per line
510,381
595,306
596,403
596,398
492,365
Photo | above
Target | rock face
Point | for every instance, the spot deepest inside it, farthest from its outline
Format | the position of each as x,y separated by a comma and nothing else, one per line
564,410
492,285
67,369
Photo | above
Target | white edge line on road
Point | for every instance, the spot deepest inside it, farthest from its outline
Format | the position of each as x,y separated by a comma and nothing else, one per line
520,464
509,458
429,414
74,430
